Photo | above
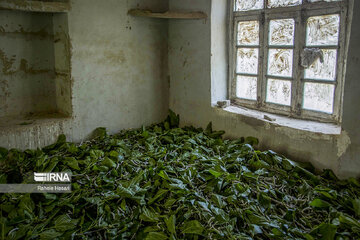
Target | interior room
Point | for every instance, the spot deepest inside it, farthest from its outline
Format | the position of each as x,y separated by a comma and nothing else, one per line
169,119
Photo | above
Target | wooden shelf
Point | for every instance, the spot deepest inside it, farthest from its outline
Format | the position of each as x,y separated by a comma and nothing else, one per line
168,14
35,6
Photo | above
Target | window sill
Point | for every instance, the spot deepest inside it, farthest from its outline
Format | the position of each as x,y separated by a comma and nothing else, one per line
278,120
35,6
22,123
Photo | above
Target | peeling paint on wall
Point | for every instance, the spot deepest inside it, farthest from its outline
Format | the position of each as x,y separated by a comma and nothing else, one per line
113,57
343,142
7,63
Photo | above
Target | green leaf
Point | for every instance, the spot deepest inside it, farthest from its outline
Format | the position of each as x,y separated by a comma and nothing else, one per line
61,139
3,152
96,154
174,119
215,173
94,200
26,204
208,129
257,219
64,223
326,192
99,133
327,231
3,178
356,206
166,125
170,202
171,223
123,205
72,162
164,175
354,182
149,215
255,229
108,163
252,141
318,203
20,232
158,196
50,234
156,236
192,227
52,164
125,192
347,220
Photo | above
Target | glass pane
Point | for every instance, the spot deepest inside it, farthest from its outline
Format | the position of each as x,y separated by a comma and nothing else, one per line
245,5
246,87
325,70
282,32
283,3
247,60
248,33
323,30
278,91
280,62
319,97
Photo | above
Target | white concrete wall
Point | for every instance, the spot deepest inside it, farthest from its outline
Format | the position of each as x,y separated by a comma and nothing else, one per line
196,81
118,73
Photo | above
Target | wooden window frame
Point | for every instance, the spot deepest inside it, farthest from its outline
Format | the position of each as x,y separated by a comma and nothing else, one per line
300,14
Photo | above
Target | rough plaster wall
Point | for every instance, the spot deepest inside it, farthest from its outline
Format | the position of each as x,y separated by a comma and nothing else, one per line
219,52
191,95
118,65
26,63
189,61
118,71
62,54
350,161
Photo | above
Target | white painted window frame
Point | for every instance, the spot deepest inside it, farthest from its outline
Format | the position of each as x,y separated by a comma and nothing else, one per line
300,13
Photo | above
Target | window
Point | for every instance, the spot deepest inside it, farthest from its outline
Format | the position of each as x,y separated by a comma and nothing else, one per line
287,56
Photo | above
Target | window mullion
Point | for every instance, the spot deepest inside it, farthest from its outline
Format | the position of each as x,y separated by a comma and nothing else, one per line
260,96
339,85
265,52
232,56
298,71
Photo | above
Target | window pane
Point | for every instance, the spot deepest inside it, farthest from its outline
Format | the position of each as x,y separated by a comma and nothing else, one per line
280,62
278,91
283,3
325,70
282,32
245,5
247,60
323,30
246,87
248,33
319,97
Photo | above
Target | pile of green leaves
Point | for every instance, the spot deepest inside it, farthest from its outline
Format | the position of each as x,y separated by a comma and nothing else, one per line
165,182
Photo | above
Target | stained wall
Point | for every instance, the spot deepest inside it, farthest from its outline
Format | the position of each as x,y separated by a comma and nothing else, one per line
116,63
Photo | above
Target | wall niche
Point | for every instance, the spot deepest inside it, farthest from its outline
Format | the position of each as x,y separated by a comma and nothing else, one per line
35,81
